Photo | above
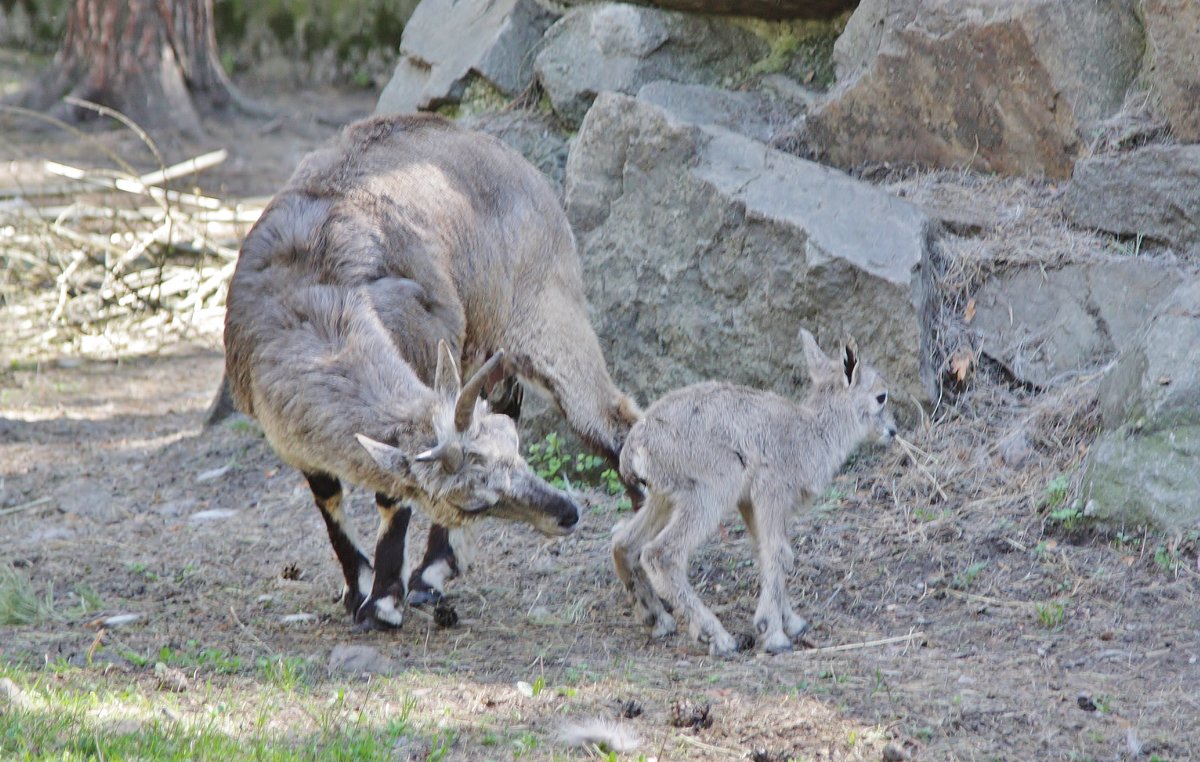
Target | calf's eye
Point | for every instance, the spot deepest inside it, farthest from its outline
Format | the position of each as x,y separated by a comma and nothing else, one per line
881,399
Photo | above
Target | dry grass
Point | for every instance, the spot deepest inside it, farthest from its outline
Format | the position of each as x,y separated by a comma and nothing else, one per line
104,259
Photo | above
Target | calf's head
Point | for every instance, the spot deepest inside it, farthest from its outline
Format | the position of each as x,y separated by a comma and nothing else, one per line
475,468
857,385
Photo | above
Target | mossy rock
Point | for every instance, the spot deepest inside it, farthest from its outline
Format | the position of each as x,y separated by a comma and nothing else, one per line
1145,479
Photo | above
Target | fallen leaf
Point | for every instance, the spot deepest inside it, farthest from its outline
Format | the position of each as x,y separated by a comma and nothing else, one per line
960,365
969,312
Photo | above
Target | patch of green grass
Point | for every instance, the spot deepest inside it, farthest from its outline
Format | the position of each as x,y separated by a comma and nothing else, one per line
73,716
524,744
1067,515
1165,560
288,673
552,461
140,569
803,48
245,426
925,515
964,579
1051,615
20,603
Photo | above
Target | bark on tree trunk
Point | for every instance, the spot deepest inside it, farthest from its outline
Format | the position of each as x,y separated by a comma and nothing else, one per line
153,60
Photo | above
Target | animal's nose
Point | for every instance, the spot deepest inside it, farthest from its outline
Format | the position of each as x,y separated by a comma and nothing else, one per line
568,515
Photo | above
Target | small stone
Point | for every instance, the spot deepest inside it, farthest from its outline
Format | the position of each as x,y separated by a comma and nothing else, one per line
630,709
688,714
359,659
444,614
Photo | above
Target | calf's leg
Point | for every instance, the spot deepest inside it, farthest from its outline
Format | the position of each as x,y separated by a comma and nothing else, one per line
695,518
628,541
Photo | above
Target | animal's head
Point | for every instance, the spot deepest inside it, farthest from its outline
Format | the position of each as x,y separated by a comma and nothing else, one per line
862,387
475,467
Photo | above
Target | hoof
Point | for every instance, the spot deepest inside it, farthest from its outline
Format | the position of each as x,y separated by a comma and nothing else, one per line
664,626
351,600
379,614
424,597
795,627
778,645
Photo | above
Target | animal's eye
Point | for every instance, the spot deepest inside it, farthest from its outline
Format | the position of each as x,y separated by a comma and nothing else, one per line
882,399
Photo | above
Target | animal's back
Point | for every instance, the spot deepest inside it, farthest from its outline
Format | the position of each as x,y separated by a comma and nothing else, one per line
706,431
415,201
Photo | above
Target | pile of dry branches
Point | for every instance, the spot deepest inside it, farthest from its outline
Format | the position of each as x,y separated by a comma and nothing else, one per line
105,259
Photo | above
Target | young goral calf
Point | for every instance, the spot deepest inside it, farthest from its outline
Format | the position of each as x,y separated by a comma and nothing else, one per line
705,448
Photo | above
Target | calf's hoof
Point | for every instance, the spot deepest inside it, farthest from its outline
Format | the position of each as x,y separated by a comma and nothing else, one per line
778,643
795,626
664,626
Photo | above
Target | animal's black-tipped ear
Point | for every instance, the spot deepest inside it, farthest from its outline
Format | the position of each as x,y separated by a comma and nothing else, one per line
389,458
850,361
446,380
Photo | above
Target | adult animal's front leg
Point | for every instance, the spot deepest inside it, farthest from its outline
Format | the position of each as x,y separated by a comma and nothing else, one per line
384,609
356,567
440,564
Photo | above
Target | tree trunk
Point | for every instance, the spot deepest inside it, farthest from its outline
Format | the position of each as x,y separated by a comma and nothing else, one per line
153,60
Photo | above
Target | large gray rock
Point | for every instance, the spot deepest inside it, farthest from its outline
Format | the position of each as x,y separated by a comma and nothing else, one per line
766,9
705,252
1042,325
531,133
1173,37
1152,192
990,84
447,41
619,48
753,114
1142,470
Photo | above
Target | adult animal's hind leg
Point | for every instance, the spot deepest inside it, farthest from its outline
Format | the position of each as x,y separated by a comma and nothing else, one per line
384,608
665,559
356,567
628,541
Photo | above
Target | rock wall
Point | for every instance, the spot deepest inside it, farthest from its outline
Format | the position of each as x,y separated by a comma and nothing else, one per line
684,144
705,251
998,87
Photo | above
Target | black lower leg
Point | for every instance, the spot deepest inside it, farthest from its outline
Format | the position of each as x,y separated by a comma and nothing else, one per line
327,491
387,592
439,562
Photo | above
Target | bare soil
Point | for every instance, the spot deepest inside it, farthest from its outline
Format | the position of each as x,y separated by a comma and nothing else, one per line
951,618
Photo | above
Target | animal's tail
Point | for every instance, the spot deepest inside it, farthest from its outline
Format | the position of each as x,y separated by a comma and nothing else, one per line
631,458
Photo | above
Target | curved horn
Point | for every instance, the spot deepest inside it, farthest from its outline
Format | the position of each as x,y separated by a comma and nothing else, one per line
470,392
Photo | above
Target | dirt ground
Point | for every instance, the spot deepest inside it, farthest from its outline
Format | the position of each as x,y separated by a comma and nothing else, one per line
951,621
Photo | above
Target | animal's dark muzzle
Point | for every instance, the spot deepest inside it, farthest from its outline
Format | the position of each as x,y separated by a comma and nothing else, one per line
566,511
